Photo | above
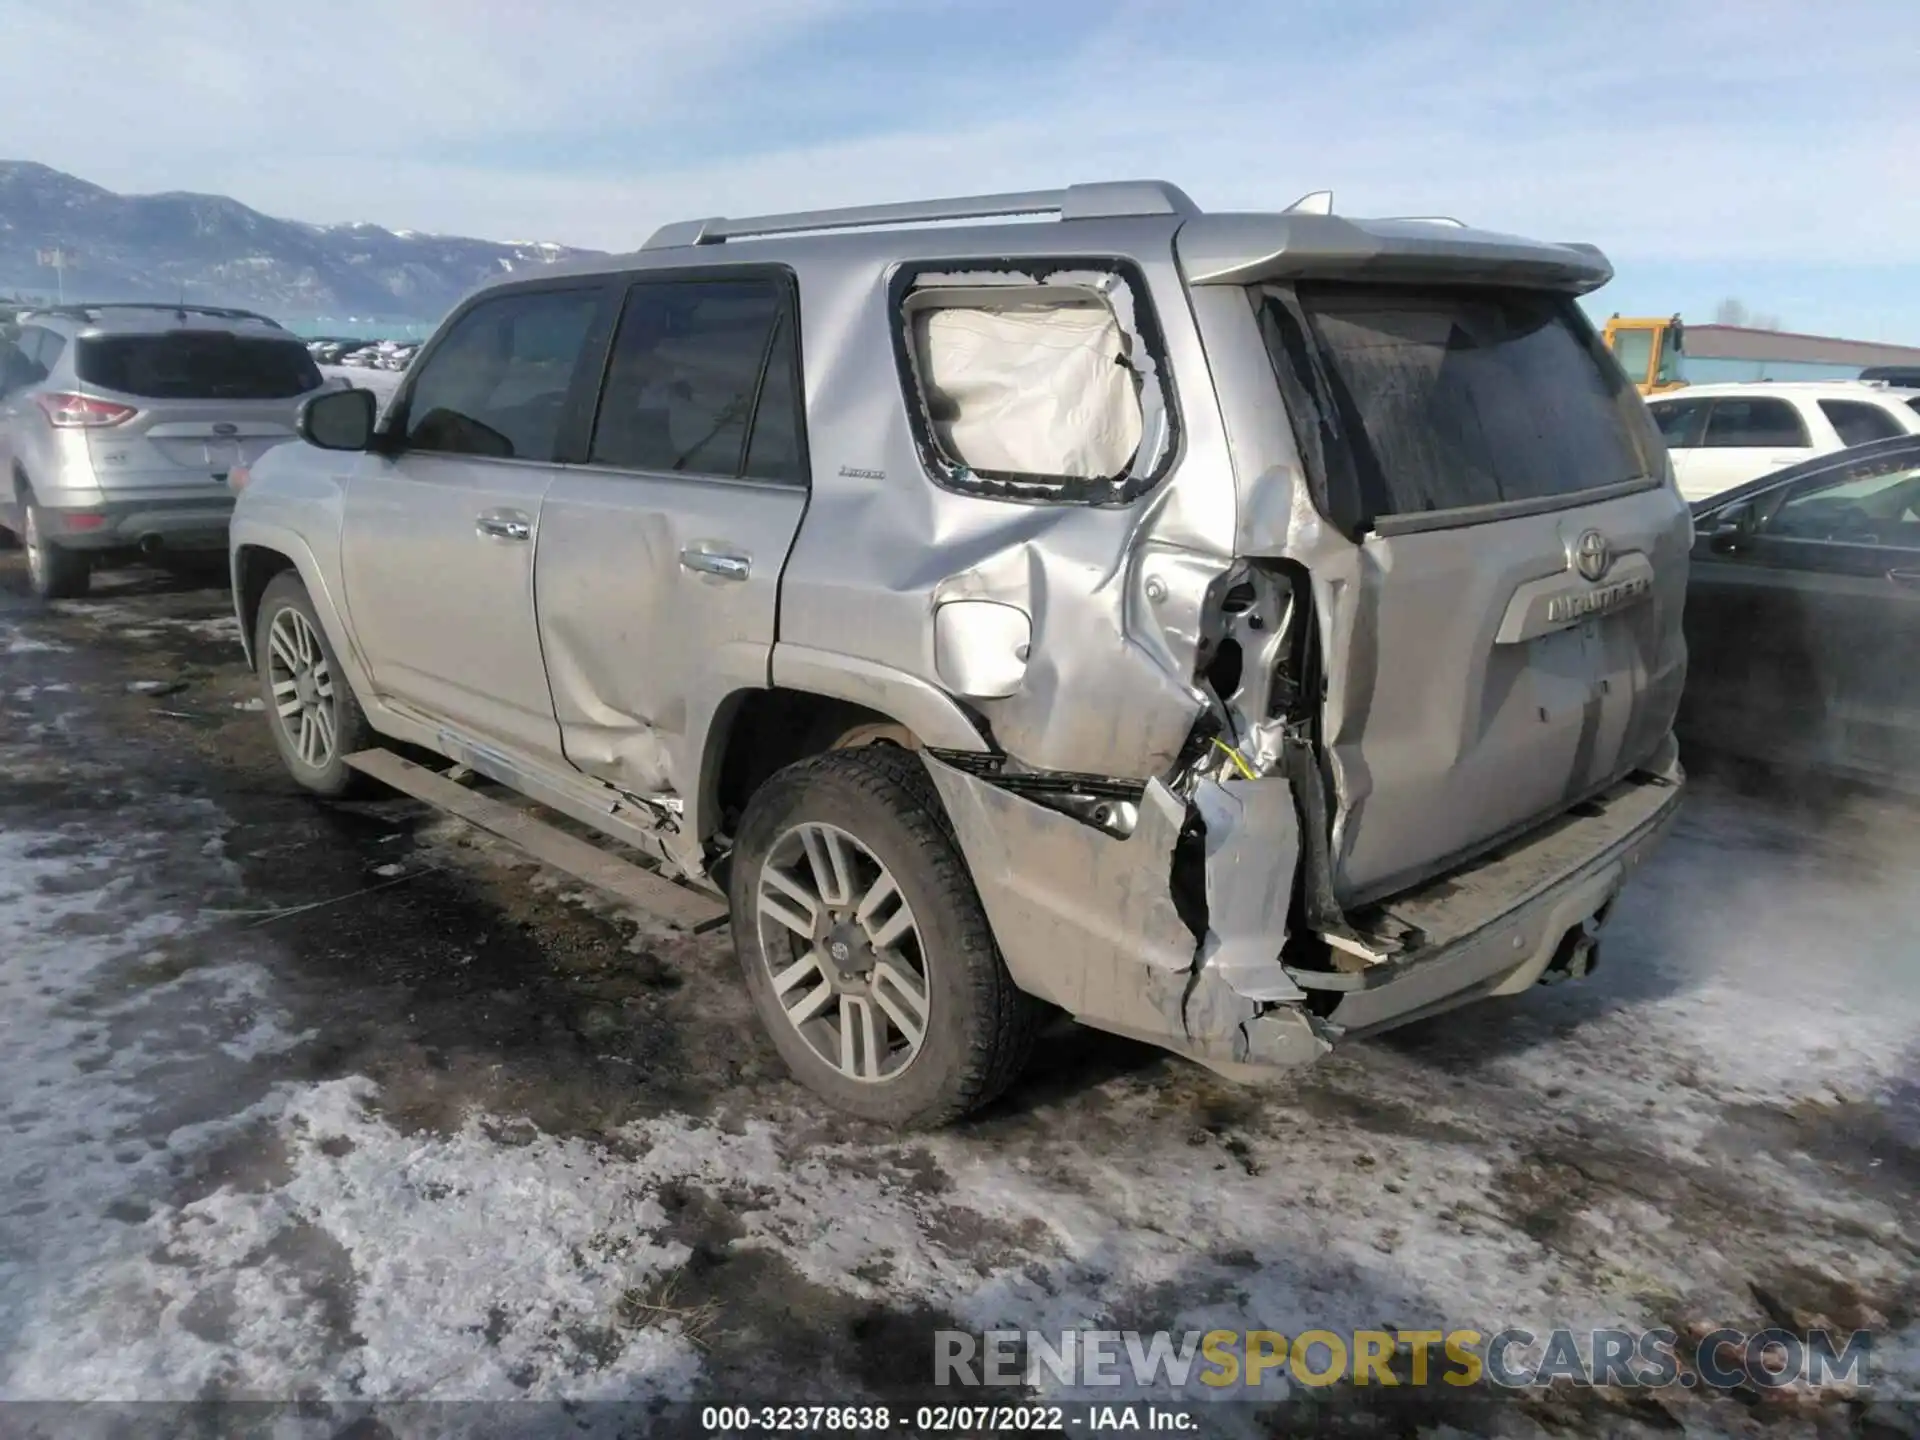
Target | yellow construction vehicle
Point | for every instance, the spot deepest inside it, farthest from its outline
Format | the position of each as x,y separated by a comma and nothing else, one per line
1650,351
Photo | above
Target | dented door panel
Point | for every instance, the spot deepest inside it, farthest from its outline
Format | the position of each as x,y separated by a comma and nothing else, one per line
638,640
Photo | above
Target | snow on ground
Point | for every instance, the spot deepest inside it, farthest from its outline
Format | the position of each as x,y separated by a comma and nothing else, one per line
191,1208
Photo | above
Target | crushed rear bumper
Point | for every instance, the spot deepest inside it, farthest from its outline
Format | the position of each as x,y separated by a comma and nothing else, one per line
1102,926
1503,923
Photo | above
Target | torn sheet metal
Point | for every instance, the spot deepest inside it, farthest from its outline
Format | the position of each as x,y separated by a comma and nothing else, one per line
1252,850
1068,901
1088,921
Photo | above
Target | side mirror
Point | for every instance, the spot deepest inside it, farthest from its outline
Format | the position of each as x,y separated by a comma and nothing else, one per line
1730,530
339,419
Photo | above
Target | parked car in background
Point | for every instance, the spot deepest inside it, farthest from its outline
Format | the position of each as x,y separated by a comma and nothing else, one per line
1721,436
1150,613
1803,616
119,425
1905,376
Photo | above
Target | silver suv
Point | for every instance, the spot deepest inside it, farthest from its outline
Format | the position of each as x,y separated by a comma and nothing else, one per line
1238,631
120,423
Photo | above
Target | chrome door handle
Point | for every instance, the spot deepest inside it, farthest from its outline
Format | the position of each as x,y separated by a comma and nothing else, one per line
716,562
504,525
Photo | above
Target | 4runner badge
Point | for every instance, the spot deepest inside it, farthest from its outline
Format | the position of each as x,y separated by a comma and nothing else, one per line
1592,555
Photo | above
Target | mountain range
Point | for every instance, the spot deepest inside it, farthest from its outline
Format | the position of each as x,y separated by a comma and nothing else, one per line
213,250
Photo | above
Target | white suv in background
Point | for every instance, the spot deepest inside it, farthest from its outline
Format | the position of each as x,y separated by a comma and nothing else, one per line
1725,435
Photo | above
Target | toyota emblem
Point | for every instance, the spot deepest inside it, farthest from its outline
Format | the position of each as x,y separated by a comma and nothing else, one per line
223,428
1592,555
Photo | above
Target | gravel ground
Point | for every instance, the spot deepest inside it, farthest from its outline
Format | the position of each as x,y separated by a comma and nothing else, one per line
350,1104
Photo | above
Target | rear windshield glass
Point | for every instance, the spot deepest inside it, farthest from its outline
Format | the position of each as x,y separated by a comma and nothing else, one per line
197,365
1433,399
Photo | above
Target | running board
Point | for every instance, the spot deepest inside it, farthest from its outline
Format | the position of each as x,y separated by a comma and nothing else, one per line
678,905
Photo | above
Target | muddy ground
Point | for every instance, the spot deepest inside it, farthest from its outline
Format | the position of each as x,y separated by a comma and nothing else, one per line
347,1103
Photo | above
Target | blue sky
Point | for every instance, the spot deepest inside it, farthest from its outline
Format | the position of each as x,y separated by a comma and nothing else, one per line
1761,150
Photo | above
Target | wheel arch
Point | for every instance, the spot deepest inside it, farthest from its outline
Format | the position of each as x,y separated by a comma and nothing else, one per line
257,555
756,732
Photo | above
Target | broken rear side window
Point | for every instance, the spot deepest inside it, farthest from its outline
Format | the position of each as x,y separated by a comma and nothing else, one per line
1422,399
1046,382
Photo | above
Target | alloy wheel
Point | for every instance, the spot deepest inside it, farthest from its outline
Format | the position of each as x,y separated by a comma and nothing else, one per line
301,682
843,952
36,559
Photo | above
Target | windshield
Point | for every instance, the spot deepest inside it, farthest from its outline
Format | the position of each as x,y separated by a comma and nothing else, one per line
1671,351
1424,399
1634,350
197,365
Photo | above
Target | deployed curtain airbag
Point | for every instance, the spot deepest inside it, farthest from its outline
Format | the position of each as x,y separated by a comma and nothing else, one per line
1035,390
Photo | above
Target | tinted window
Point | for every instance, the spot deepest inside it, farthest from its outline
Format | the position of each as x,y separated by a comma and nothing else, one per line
1742,424
1857,423
196,365
699,366
497,383
774,452
1679,421
1443,398
1873,503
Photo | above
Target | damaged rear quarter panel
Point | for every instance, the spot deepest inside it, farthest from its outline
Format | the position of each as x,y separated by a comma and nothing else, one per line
1089,921
1113,591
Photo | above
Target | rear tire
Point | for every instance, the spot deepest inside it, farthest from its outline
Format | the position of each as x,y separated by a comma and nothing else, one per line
311,709
842,847
53,573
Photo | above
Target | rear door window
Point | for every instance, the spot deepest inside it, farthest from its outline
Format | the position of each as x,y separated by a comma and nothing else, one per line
1858,423
702,382
497,384
196,365
1413,400
1755,423
1680,421
1875,502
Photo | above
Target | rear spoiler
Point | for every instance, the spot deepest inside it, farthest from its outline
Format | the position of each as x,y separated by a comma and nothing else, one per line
1248,249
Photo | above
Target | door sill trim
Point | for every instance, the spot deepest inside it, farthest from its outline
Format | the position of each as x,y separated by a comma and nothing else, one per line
678,905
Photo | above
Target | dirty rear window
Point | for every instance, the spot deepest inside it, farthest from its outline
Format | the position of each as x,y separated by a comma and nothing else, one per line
197,365
1415,400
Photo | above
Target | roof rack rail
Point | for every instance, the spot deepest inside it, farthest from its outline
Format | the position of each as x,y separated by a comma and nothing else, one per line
1102,201
93,311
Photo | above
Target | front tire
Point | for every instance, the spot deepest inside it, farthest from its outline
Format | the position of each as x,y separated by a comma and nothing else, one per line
53,573
311,709
864,945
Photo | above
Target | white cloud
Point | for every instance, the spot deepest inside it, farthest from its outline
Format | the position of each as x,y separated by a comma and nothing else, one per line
1762,132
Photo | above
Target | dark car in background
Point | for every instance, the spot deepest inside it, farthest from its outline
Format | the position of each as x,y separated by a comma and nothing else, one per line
1803,617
